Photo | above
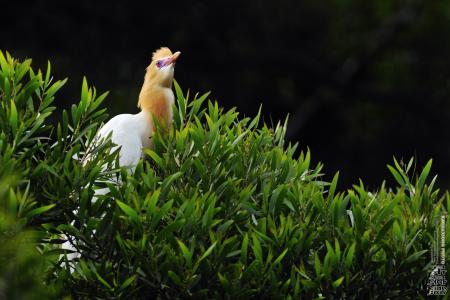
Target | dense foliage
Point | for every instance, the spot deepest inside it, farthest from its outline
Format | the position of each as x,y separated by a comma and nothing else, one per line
349,71
220,208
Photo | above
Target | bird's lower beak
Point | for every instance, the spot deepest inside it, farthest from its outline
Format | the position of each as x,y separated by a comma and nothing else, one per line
173,58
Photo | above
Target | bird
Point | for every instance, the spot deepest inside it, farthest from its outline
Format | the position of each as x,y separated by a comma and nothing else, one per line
132,133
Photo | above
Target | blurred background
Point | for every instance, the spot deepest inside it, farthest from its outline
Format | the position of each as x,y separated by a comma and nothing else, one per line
361,80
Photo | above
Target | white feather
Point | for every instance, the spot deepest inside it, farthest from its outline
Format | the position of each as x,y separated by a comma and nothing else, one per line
131,133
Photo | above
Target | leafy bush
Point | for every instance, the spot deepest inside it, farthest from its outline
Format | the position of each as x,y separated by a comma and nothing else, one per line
21,265
220,208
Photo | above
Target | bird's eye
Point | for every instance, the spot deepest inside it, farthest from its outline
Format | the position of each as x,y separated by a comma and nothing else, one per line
159,64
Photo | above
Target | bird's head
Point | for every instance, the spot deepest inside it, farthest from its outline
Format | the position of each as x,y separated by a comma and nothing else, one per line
162,67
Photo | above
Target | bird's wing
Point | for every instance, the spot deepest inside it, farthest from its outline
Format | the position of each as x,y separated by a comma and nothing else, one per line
124,135
131,148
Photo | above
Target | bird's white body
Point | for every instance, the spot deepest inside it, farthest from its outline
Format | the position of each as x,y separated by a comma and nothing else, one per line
132,133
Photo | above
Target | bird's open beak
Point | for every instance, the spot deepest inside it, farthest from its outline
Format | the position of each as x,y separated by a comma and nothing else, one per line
173,58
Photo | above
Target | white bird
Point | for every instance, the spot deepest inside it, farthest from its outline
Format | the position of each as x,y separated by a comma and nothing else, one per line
133,132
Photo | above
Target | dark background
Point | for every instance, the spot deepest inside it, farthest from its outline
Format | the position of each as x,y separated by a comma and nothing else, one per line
361,80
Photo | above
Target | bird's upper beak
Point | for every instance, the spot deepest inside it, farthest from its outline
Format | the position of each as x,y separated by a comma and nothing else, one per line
173,58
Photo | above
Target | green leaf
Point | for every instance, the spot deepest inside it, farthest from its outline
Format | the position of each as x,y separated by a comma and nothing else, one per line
84,92
224,281
52,91
156,158
317,265
151,201
280,257
196,104
386,212
181,100
288,203
239,138
382,233
350,255
47,73
337,248
233,253
255,120
411,242
167,184
158,215
414,257
4,65
207,252
244,249
333,186
175,278
96,103
408,167
131,213
13,117
186,253
337,282
257,251
103,281
423,176
22,69
127,282
13,203
397,176
40,210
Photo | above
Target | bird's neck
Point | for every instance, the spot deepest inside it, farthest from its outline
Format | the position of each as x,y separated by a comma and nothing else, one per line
156,100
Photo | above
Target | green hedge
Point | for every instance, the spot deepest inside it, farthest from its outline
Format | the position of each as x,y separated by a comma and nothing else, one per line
221,208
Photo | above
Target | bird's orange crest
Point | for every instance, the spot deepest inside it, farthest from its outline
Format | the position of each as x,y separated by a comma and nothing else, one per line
161,52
